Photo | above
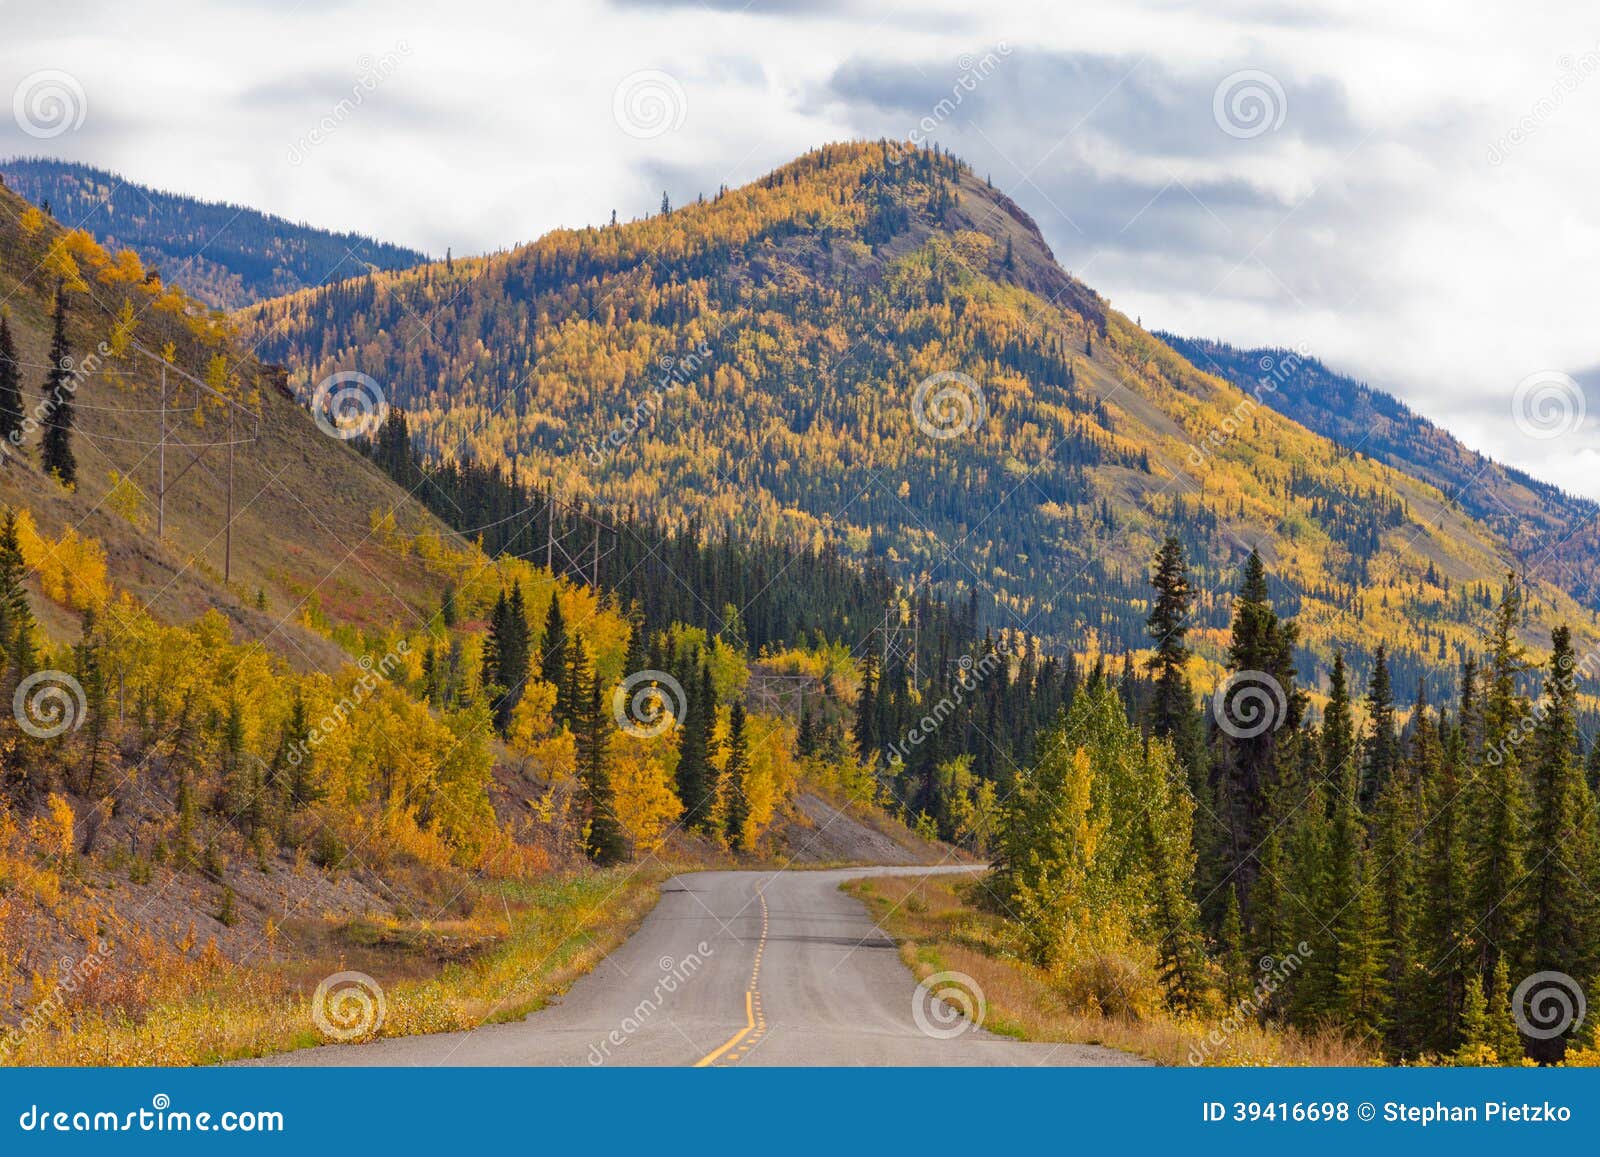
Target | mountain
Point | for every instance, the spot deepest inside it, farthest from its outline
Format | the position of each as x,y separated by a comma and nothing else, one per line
225,255
1551,534
301,501
873,348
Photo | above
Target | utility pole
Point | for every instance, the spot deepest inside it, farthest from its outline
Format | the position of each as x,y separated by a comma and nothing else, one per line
550,534
227,547
161,485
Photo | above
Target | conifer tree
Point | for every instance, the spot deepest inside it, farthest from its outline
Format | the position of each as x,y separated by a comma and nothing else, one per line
1560,913
1172,714
92,679
1261,651
1231,954
736,812
11,413
1495,797
553,659
866,722
1502,1035
805,743
55,447
1338,730
1474,1048
695,741
605,843
706,813
1380,751
1444,956
1169,851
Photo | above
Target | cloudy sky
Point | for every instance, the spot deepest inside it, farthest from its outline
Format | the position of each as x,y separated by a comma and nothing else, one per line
1407,191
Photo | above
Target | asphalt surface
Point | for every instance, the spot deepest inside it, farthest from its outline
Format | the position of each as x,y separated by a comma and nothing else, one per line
736,968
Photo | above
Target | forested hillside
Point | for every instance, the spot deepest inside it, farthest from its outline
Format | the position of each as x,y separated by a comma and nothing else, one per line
225,255
872,348
281,713
1552,535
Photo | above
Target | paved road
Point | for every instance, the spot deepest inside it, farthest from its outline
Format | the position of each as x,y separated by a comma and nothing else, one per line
752,968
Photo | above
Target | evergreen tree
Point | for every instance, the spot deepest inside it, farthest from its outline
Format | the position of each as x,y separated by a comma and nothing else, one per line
1495,799
605,843
1172,714
1443,952
11,412
1502,1035
867,711
735,776
92,679
1231,956
1338,729
1474,1048
1560,909
55,446
805,744
553,658
1260,702
1380,752
695,741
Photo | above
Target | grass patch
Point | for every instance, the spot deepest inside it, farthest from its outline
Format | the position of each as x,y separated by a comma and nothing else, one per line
152,1005
940,929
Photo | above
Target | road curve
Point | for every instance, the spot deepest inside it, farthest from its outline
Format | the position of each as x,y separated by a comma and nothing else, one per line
733,968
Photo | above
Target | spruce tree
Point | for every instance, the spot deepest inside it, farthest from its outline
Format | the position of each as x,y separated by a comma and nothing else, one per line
1261,654
1495,834
1444,959
1172,714
1380,751
866,721
553,644
605,842
92,679
11,412
694,751
706,813
55,447
1502,1035
1560,909
736,776
1338,729
805,743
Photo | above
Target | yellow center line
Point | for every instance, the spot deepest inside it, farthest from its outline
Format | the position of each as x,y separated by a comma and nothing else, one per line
751,997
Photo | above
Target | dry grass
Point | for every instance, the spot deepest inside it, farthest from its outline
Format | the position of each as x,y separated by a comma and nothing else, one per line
154,1004
940,930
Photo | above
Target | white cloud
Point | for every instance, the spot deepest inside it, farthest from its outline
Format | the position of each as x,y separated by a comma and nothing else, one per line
1371,225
